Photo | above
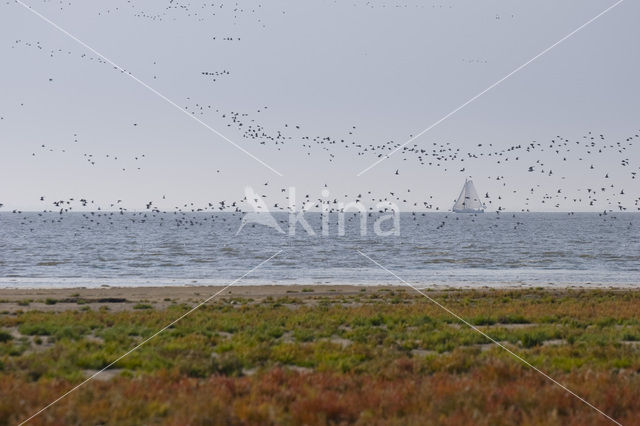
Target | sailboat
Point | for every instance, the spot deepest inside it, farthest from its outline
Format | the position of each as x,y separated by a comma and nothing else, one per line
468,201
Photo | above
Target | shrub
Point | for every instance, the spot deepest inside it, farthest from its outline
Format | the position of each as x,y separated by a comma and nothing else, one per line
482,320
142,306
71,332
5,336
41,329
631,337
530,340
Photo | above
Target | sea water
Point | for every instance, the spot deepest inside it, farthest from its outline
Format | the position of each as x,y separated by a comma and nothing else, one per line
40,250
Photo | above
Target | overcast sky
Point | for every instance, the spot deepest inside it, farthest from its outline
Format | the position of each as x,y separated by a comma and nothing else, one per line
388,68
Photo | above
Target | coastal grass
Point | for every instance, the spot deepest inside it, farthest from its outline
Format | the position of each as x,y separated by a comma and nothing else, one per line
387,356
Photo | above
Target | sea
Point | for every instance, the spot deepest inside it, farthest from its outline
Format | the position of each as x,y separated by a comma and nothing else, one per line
98,249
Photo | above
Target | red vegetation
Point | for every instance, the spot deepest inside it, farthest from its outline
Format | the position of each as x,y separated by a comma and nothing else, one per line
501,392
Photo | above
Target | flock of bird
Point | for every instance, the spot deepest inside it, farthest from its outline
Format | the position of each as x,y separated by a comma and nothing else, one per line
92,158
216,74
230,216
546,160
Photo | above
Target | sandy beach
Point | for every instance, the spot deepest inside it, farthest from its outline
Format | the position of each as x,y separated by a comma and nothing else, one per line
126,298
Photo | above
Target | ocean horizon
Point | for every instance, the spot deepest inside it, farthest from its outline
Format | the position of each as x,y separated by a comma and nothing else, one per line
428,249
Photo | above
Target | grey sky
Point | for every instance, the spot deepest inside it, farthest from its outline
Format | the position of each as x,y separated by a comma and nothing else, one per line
388,68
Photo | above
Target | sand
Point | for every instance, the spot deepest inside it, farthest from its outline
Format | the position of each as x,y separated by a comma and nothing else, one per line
125,298
128,298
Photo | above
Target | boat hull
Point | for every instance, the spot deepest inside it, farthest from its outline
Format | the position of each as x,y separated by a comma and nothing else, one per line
468,210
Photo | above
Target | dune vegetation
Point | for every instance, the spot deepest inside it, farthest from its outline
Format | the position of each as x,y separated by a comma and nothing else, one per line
378,356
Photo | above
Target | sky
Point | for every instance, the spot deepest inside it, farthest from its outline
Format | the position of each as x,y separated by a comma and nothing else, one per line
366,72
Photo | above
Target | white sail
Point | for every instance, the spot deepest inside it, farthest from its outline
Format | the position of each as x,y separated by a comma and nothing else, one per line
472,200
459,204
468,201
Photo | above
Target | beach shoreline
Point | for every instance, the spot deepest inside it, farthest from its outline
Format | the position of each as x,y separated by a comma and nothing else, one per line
126,298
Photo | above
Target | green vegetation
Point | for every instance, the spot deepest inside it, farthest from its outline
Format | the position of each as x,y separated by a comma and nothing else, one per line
142,306
5,336
387,356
